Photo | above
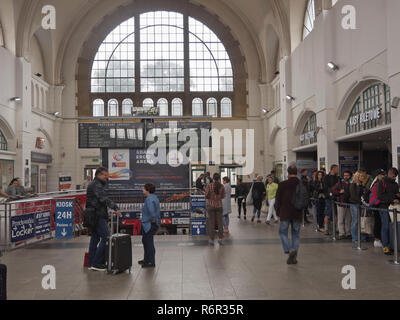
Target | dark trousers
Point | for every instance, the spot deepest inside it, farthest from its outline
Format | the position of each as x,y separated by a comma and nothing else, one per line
242,201
321,212
377,225
148,244
97,245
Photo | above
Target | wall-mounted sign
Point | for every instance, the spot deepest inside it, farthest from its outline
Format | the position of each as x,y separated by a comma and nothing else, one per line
65,181
307,136
41,157
370,115
40,143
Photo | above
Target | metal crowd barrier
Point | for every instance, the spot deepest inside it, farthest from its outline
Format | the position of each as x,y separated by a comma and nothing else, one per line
31,220
360,208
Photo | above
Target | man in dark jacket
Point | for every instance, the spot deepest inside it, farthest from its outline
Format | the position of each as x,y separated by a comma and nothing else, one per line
306,180
341,191
288,215
200,183
329,181
388,193
241,192
97,199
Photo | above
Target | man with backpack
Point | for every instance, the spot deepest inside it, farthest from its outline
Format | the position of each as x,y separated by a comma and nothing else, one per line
341,191
291,199
388,193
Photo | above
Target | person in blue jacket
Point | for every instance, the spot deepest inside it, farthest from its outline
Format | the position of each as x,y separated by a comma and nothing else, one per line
151,221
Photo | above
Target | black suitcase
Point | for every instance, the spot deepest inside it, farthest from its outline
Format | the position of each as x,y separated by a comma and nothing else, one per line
119,254
3,282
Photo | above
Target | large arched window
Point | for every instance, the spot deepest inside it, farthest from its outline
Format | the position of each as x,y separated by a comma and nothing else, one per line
176,54
177,107
226,108
371,109
98,108
162,105
309,18
197,107
127,106
3,142
309,134
113,108
212,107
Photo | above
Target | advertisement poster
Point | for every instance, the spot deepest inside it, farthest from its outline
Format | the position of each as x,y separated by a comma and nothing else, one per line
65,181
43,223
22,228
64,219
199,218
118,165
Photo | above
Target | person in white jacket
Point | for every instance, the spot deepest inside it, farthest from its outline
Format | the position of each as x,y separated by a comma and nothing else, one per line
226,204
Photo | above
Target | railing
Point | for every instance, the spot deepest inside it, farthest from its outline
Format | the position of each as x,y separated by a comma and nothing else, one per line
32,219
360,209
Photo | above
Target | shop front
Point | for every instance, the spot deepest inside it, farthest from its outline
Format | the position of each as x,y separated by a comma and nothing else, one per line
307,151
367,142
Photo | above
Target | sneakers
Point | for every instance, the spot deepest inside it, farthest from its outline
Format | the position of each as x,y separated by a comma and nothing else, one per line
378,244
244,218
238,217
252,219
387,251
268,222
148,265
98,267
292,259
141,262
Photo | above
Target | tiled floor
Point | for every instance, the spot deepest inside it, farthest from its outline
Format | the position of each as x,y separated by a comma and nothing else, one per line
251,265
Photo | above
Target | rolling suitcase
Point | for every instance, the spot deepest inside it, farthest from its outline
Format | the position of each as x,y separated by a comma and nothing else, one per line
3,282
119,253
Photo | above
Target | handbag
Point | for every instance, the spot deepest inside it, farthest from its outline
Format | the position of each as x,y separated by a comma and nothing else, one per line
367,224
249,199
264,207
90,218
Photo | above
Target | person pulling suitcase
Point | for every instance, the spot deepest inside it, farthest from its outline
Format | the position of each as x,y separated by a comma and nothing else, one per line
151,221
98,201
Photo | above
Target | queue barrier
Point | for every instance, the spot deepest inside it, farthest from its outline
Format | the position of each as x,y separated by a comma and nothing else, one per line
360,209
31,220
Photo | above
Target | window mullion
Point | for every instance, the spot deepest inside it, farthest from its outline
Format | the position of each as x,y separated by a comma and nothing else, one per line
137,60
186,63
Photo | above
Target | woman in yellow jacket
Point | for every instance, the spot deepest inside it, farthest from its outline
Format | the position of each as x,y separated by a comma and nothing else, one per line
272,188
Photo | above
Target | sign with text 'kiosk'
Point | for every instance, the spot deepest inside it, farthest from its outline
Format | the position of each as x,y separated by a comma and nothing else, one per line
64,219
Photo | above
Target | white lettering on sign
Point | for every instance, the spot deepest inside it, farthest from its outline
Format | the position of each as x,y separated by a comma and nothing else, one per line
307,136
49,280
64,204
370,115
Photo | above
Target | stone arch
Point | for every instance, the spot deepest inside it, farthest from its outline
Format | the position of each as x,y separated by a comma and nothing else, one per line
302,120
352,93
273,134
47,135
8,132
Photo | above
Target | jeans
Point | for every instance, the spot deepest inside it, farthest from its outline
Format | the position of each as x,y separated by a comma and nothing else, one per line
320,212
385,220
314,212
344,221
283,233
242,202
148,244
328,208
271,210
225,221
97,246
377,225
258,212
214,218
354,209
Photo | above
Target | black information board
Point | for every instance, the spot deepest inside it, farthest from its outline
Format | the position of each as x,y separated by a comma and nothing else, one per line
111,135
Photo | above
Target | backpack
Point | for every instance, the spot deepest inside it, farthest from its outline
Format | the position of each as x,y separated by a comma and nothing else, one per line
373,197
300,197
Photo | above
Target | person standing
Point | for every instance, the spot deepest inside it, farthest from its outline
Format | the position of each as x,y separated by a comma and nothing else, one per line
240,196
226,204
208,178
15,189
272,188
273,175
98,200
388,193
342,191
305,179
356,191
289,215
87,182
200,183
215,192
329,181
258,195
374,203
151,221
313,201
319,195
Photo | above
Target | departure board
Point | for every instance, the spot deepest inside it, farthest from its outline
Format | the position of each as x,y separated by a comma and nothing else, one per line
111,135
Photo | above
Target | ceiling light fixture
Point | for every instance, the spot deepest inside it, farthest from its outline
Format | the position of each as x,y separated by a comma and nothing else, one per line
16,99
333,66
289,98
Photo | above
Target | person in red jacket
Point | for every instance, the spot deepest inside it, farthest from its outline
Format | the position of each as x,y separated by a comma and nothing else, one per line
289,215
